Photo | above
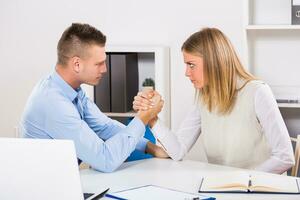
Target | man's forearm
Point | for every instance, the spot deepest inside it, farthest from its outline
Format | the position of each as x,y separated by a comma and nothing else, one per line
153,121
145,116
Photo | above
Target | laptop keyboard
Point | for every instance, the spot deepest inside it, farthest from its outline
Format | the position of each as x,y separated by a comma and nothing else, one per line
87,195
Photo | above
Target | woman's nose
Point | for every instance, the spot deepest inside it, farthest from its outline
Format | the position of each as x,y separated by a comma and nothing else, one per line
187,72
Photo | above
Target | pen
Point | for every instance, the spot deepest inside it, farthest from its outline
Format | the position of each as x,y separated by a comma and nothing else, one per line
114,197
193,198
100,195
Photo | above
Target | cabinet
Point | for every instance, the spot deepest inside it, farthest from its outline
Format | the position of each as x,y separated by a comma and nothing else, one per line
272,47
119,84
153,62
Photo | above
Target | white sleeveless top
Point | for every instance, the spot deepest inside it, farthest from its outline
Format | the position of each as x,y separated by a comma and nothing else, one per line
235,139
239,139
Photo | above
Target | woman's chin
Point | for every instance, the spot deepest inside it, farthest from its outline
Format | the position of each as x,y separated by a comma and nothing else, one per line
197,86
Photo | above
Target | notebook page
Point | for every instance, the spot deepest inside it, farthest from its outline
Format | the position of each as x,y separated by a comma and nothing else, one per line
274,183
230,181
151,192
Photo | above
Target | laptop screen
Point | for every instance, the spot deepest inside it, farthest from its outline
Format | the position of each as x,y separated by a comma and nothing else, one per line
39,169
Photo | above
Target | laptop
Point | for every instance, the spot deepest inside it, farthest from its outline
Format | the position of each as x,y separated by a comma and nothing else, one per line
38,169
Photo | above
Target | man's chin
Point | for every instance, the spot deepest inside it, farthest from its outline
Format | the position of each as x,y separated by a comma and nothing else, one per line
94,83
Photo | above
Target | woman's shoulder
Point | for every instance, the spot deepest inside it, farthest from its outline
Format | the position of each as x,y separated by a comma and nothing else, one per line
255,84
255,87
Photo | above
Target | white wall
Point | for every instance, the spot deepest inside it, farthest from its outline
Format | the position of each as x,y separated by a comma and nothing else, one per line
30,31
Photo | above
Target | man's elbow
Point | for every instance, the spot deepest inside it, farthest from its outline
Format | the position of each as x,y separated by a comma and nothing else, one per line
107,170
107,167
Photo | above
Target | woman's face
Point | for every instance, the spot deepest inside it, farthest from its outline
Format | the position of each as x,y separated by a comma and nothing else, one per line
194,69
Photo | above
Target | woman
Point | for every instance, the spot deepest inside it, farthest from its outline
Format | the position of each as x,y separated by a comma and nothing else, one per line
236,113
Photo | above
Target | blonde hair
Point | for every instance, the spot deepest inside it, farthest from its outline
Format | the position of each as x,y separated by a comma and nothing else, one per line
221,67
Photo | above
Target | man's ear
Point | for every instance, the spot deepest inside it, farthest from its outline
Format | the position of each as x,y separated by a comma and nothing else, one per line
76,64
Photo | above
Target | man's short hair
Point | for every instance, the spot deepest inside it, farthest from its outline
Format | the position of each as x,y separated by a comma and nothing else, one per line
76,39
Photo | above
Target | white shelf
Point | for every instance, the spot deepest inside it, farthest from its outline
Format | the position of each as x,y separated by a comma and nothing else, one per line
273,27
112,114
135,49
289,105
272,45
271,52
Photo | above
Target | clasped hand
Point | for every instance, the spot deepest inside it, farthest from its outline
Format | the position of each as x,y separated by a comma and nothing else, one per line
148,103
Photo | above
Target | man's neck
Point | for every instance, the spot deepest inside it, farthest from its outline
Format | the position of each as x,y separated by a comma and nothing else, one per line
68,76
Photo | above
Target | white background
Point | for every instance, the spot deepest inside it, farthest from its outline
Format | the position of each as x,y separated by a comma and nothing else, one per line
30,30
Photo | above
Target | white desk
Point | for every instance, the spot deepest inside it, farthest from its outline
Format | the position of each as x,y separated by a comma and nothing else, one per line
183,175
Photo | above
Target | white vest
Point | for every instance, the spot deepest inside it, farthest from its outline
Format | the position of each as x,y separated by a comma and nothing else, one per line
235,139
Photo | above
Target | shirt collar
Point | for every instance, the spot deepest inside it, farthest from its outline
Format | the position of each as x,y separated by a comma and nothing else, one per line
66,88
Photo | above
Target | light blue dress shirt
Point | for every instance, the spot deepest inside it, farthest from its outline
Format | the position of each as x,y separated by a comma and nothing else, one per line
55,110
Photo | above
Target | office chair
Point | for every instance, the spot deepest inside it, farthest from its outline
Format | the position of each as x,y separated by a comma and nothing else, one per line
297,155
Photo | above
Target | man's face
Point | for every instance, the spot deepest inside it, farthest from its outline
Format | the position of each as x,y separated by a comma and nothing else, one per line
93,65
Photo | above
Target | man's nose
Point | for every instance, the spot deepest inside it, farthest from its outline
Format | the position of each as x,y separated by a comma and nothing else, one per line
104,69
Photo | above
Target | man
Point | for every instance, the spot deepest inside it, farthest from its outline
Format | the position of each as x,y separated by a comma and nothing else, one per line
59,109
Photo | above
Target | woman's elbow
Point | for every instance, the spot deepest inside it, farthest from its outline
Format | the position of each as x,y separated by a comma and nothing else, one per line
291,162
290,159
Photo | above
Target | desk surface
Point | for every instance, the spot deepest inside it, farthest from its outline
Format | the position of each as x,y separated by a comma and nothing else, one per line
183,175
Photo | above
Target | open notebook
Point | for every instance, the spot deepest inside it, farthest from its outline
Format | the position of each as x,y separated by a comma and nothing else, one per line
245,182
150,192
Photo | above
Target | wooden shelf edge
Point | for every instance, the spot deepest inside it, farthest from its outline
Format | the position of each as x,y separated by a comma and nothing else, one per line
273,27
288,105
127,114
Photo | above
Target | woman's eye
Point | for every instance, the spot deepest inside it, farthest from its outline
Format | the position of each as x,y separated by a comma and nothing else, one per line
191,65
